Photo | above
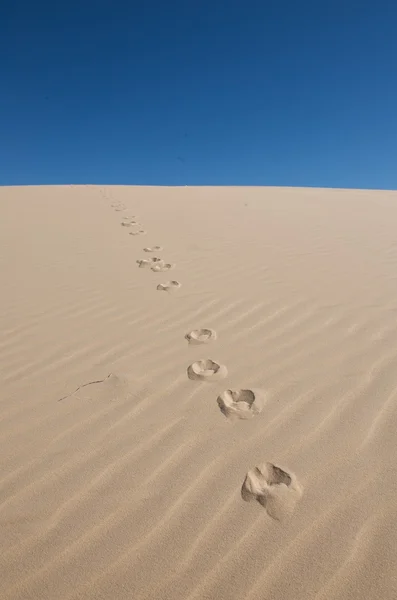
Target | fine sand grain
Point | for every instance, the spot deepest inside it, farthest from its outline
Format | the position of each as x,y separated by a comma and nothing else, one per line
120,477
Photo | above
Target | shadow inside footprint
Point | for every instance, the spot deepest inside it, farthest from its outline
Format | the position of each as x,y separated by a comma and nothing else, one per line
241,404
140,232
275,489
201,336
206,370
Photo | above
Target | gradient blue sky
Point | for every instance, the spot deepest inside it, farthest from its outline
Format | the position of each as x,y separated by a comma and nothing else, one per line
199,92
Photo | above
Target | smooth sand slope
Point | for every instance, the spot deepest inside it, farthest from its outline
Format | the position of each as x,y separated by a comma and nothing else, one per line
215,421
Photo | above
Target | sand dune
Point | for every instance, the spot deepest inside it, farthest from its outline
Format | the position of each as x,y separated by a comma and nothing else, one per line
120,476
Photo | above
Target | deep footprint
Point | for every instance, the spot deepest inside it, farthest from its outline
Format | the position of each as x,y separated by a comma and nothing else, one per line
201,336
206,370
241,404
278,491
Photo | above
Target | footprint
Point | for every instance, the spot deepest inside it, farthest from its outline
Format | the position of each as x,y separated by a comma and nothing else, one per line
201,336
128,223
276,490
169,286
159,268
206,370
149,262
241,404
153,249
140,232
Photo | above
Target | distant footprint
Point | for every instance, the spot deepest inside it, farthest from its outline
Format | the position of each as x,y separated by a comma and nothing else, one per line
149,262
206,370
276,490
241,404
169,286
153,249
201,336
140,232
128,223
160,268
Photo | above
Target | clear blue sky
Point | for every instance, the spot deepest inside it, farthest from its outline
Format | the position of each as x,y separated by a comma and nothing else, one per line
216,92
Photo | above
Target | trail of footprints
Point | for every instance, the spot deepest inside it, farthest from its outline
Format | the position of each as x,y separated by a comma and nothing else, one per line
156,264
274,488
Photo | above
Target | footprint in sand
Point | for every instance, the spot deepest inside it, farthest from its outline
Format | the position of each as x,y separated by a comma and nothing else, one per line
276,490
119,207
140,232
153,249
201,336
128,223
169,286
149,262
206,370
161,267
241,404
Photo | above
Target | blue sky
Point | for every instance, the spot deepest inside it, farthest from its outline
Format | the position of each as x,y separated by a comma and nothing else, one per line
220,92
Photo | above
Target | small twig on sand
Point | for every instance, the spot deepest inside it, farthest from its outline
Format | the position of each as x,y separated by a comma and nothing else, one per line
84,385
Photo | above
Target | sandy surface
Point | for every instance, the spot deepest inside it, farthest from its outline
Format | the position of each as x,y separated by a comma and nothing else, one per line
131,487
